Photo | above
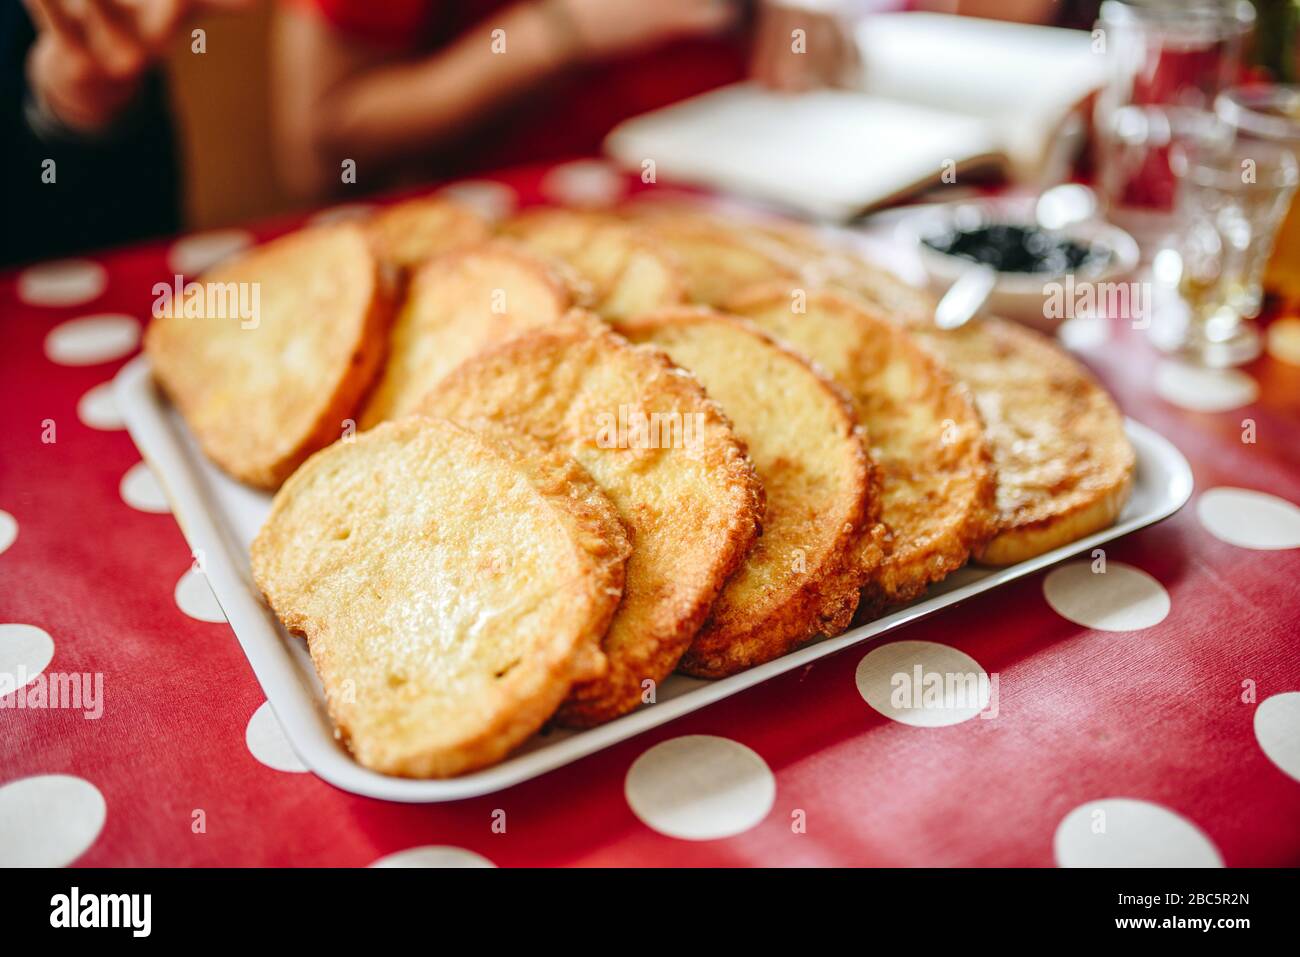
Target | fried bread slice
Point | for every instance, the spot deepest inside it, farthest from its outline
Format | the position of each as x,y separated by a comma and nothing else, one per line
628,273
1064,464
452,587
665,455
720,258
837,266
406,234
802,578
924,432
775,248
456,305
263,391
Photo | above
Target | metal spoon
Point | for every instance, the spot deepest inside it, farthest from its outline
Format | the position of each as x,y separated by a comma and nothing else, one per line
965,297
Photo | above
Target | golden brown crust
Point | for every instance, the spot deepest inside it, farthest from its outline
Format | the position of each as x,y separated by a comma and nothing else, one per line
628,272
408,233
452,586
720,258
801,579
924,432
323,302
1064,464
776,250
843,270
1023,385
456,305
692,511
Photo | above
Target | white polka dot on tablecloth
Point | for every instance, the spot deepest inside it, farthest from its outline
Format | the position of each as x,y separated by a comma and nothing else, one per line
1249,519
343,213
48,820
492,200
194,597
64,282
267,742
1204,390
958,687
1124,832
1122,598
191,255
8,531
25,651
97,408
1277,729
91,340
140,489
700,787
584,183
433,855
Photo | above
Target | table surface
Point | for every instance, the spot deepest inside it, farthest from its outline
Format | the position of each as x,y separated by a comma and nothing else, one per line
1160,722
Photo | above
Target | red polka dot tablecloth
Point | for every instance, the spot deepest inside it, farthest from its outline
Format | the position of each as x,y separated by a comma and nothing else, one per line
1149,714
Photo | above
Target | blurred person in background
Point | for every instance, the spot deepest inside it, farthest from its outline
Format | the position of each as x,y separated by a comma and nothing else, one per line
422,89
414,90
89,151
410,90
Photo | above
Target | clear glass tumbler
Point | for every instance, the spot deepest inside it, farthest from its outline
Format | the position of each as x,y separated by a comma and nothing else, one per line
1168,60
1271,112
1231,201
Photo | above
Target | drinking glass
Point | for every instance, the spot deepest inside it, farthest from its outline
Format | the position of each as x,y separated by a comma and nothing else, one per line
1272,113
1168,59
1230,203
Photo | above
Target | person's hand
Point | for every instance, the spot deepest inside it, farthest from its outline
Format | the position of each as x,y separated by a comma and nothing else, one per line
826,56
90,55
608,28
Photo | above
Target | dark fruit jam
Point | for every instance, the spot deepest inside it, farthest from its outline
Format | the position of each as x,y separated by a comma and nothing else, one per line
1011,248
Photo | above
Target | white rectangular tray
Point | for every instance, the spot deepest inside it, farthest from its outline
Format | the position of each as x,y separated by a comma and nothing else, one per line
220,517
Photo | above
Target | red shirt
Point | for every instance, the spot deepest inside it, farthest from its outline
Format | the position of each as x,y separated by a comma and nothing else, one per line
569,114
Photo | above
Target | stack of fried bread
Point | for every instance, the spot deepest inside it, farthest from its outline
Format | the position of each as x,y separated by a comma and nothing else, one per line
525,472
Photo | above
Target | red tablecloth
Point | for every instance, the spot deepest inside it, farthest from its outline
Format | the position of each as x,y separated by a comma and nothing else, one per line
1176,740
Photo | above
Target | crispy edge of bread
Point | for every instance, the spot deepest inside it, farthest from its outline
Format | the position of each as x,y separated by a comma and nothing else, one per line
598,536
608,299
896,580
620,690
645,252
384,228
675,224
343,399
1028,540
818,259
838,266
569,291
824,602
1028,532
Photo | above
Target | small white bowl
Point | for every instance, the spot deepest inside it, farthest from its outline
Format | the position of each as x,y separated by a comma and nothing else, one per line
1040,300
